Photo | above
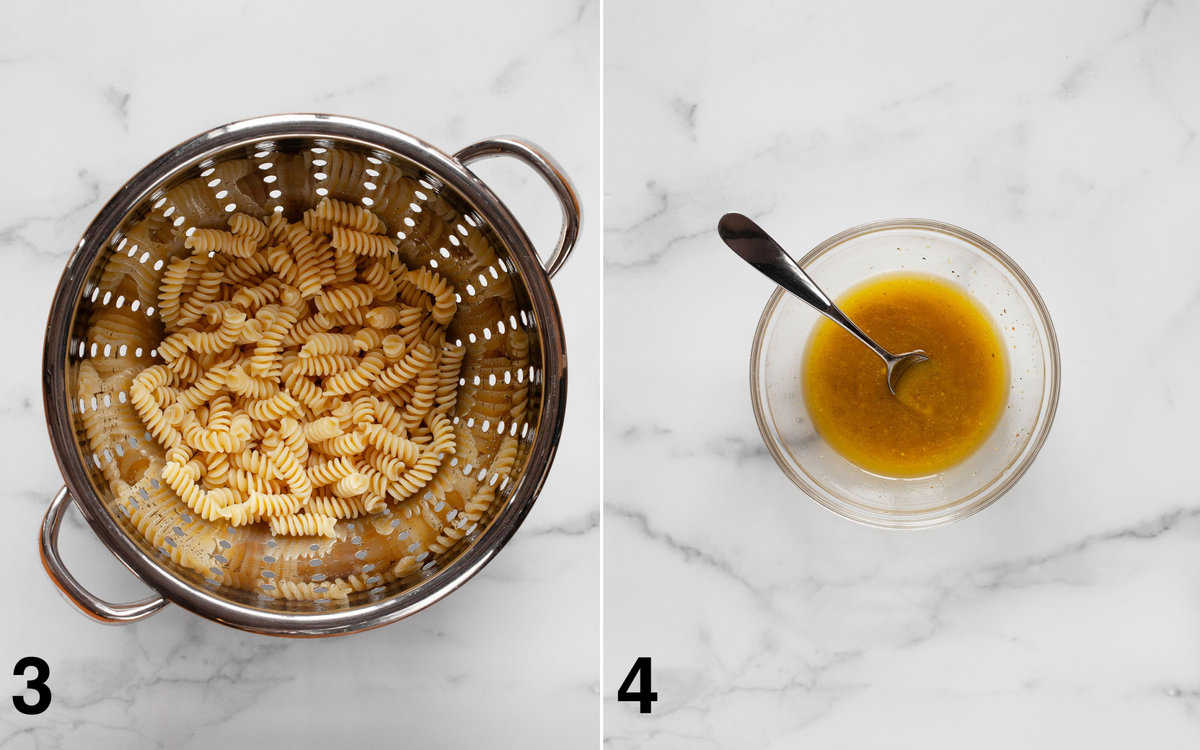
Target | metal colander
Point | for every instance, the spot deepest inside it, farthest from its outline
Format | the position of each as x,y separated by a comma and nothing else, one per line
103,328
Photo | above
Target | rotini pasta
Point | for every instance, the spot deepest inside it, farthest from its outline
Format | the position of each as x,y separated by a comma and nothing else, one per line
303,525
444,303
323,471
219,241
329,343
359,378
348,215
321,429
449,367
361,243
345,266
303,375
337,507
396,375
244,225
342,299
390,443
170,289
323,364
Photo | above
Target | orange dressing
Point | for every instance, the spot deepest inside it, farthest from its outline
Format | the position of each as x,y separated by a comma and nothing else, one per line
944,408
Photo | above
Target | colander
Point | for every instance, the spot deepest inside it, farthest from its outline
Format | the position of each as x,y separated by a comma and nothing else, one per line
379,568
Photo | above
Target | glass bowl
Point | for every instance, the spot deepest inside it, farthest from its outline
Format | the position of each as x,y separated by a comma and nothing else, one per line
997,283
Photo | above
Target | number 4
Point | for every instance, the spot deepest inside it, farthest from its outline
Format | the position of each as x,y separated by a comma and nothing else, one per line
644,695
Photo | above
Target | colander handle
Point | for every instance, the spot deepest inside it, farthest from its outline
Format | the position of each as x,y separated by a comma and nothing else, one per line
554,176
89,604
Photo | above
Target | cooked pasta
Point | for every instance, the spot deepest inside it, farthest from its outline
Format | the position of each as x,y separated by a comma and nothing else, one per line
413,364
216,240
337,507
170,290
235,389
444,304
348,215
329,343
323,471
248,226
303,525
344,298
303,375
390,443
361,243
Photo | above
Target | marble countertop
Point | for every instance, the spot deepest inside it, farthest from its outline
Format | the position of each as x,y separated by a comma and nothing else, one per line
1067,614
95,92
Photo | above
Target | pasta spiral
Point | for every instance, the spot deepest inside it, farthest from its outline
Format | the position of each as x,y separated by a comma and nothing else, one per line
449,367
321,429
254,462
309,272
306,328
274,407
240,270
349,444
357,379
337,507
345,265
261,505
208,504
208,286
323,471
329,343
291,471
281,261
390,443
349,215
379,278
303,525
387,465
244,225
265,360
324,364
170,289
444,304
361,243
416,361
351,485
344,298
220,241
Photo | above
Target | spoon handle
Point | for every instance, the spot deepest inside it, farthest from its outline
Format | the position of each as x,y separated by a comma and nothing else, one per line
756,247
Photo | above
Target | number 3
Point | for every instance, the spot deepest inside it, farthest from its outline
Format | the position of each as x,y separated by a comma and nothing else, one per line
37,683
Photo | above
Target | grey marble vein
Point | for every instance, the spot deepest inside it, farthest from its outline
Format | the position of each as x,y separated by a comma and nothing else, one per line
572,527
119,101
690,553
16,232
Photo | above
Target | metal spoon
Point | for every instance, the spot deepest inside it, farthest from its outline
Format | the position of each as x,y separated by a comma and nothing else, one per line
756,247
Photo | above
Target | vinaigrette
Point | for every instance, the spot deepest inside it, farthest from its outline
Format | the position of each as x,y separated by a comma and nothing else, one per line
944,409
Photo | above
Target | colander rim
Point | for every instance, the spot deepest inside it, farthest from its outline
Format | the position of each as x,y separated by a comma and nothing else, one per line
468,186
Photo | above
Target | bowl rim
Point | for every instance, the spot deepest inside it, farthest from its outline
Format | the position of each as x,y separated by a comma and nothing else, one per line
947,513
544,307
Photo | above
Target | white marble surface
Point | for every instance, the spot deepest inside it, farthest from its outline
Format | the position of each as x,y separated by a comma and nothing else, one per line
1066,615
93,94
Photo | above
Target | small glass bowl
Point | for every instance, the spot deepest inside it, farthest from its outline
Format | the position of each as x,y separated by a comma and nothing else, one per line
992,278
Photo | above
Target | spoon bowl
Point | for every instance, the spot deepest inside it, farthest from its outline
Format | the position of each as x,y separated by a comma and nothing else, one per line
898,364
